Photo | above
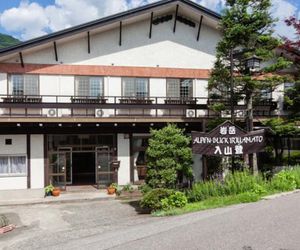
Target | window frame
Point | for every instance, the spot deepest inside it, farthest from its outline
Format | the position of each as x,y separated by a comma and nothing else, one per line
10,84
135,87
89,87
180,81
25,174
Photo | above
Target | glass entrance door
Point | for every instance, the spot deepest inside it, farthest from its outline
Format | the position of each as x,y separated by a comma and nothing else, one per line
68,167
57,169
104,173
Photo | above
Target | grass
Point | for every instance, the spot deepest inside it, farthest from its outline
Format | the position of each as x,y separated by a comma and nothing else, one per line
213,202
240,187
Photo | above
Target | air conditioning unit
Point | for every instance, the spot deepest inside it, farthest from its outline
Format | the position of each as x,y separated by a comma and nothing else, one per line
99,112
190,113
51,113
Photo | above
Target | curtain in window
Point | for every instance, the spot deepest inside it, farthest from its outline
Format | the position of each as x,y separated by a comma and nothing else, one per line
4,165
31,85
173,88
135,87
17,84
89,86
18,164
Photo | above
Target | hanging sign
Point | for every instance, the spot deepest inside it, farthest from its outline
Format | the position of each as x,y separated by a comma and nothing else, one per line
228,139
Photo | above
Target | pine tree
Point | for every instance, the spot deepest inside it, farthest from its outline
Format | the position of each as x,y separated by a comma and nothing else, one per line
247,29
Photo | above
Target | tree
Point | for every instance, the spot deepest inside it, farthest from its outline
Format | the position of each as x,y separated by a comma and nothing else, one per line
247,28
292,48
283,130
169,157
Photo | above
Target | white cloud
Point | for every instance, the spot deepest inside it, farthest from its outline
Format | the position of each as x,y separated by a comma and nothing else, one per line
281,10
30,19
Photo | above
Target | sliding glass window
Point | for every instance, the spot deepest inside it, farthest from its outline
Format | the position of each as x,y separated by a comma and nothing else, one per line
135,87
24,85
180,88
86,86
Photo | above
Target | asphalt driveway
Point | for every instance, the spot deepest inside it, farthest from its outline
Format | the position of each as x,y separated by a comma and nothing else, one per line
270,224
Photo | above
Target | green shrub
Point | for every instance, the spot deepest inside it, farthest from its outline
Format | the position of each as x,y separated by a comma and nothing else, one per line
248,197
203,190
296,173
259,189
241,181
284,181
153,198
128,188
176,200
144,188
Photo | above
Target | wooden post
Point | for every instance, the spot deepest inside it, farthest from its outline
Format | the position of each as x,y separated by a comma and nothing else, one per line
55,51
89,42
176,14
150,31
120,35
199,28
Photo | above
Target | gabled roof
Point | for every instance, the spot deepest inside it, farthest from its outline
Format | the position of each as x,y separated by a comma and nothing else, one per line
102,22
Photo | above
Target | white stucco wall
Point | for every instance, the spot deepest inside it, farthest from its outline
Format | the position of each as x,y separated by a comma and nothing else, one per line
166,49
3,83
37,161
18,147
124,158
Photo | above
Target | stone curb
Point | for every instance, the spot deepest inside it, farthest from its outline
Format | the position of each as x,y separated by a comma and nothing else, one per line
274,196
45,201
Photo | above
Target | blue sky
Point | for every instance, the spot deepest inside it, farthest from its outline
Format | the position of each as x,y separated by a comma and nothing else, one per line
26,19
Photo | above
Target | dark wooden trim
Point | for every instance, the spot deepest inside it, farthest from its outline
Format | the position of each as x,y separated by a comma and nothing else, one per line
131,155
46,163
55,51
120,34
89,42
151,20
28,143
175,21
199,28
21,59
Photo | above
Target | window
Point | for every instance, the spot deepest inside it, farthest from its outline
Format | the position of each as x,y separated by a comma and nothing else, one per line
13,165
135,87
180,88
89,86
24,85
266,94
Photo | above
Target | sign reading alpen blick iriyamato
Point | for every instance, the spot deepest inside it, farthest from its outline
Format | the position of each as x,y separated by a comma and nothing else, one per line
228,139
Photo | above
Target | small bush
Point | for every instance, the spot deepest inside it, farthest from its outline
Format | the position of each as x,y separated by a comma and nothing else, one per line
128,188
176,200
284,181
248,197
203,190
296,173
153,198
259,189
144,188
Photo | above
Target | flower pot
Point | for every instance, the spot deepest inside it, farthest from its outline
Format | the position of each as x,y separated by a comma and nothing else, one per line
111,190
56,192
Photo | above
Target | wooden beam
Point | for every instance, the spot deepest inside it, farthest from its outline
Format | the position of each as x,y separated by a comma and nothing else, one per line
199,28
28,143
176,14
55,51
151,20
120,37
89,42
21,59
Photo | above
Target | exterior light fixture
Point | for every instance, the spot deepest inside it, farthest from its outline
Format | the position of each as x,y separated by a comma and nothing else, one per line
151,124
79,125
133,124
253,62
97,125
18,125
116,124
59,125
41,124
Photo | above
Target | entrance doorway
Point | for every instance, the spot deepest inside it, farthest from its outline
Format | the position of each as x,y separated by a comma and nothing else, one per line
83,168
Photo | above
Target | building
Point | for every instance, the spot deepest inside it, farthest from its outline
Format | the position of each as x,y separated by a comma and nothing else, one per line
78,103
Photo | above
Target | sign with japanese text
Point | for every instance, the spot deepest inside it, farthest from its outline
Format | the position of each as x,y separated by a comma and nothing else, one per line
226,140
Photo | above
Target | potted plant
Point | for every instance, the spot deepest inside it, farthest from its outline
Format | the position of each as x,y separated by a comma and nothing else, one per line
48,190
56,192
112,188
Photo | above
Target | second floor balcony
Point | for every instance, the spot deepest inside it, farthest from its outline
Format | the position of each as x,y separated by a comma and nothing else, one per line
52,106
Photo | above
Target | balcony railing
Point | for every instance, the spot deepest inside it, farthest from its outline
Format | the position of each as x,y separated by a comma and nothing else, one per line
112,106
